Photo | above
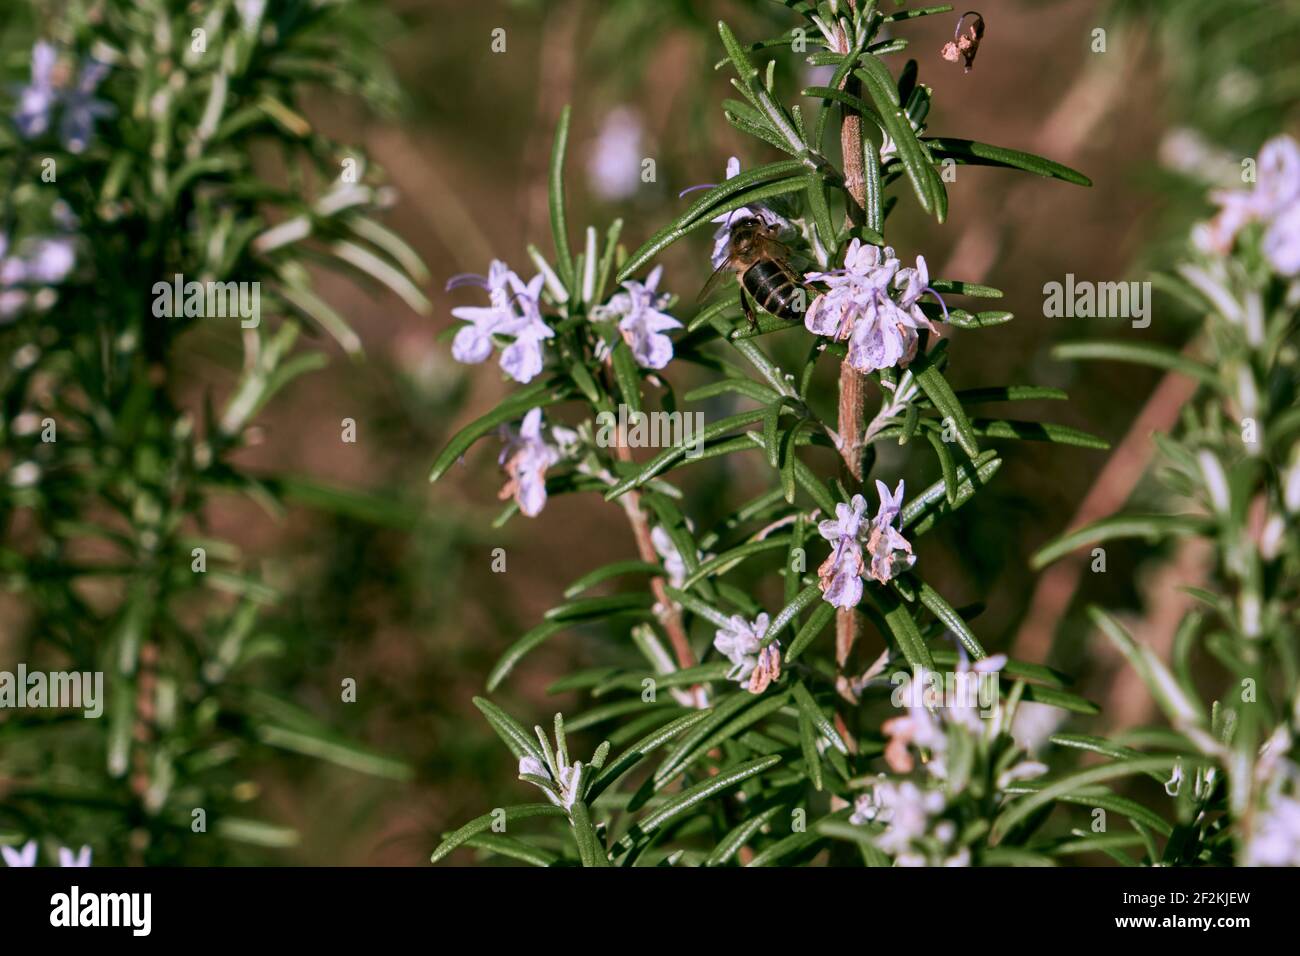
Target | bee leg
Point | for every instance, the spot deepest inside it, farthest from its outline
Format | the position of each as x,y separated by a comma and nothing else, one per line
749,312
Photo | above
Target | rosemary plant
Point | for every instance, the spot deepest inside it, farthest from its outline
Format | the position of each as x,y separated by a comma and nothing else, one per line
165,194
837,705
1231,470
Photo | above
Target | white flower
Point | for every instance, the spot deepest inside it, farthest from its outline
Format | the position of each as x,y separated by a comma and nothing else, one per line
568,784
722,237
562,782
1175,781
69,859
840,575
526,457
641,321
24,856
753,665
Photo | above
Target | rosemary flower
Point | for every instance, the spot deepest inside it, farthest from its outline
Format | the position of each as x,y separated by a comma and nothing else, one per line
1276,838
874,304
614,167
890,551
722,236
69,859
24,856
1274,201
526,457
641,321
753,665
840,575
514,312
566,780
38,100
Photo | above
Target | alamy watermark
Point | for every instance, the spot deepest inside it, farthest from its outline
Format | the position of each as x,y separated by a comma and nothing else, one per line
954,690
1098,300
209,300
77,690
651,430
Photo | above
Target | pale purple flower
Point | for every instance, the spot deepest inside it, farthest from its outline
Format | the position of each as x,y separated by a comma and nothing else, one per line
906,810
473,343
523,358
525,459
1282,241
250,12
50,260
24,856
1034,723
863,282
722,237
39,261
1274,201
37,99
641,321
514,312
1276,837
69,859
1277,184
890,551
614,167
674,565
915,833
841,573
913,284
860,305
741,642
81,109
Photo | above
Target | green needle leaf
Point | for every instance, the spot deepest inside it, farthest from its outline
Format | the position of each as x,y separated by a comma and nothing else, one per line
692,796
559,224
480,824
969,152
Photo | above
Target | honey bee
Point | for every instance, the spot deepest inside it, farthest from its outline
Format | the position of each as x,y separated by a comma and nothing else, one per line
760,261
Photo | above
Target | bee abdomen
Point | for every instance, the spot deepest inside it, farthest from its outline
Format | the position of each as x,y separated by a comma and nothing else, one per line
775,289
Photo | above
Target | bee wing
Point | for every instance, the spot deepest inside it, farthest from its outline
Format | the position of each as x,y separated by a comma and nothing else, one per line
718,274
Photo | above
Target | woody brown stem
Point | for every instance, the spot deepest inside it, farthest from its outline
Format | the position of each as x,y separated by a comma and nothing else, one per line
853,384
